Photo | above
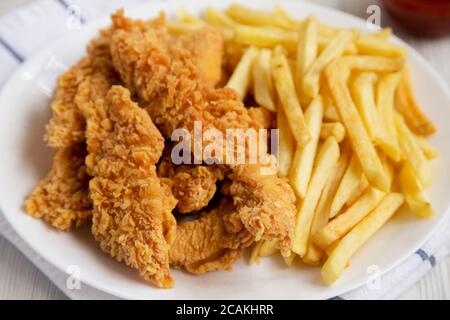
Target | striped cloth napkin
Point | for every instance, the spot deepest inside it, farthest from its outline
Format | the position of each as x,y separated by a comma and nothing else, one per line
27,30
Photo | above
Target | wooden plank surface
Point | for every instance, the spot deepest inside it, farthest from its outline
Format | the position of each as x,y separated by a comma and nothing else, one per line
19,279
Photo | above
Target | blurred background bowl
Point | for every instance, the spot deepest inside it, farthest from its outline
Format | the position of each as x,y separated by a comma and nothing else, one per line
429,18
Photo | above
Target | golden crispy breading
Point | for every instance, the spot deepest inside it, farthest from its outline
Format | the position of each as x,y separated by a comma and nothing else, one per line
165,74
265,203
207,45
212,242
67,124
192,185
130,215
59,199
262,116
169,203
62,199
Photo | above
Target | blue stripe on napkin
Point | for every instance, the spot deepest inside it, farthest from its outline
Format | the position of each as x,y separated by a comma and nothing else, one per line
11,50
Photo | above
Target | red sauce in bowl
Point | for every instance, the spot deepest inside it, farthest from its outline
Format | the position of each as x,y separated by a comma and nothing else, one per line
422,17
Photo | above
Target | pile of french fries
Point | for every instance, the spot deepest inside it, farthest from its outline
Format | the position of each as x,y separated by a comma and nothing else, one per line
351,133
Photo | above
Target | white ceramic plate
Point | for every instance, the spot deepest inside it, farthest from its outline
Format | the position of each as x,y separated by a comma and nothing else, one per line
25,159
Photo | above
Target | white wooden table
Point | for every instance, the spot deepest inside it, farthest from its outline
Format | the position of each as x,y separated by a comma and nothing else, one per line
19,279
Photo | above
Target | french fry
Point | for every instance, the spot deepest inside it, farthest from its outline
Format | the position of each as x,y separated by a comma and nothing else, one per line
286,145
335,129
268,37
324,40
240,79
359,191
313,256
306,53
326,158
412,153
334,49
303,161
186,17
324,206
383,34
388,168
388,142
347,186
412,190
370,45
331,114
264,91
247,16
349,244
406,104
290,260
343,223
180,28
363,94
284,84
218,18
327,30
355,129
288,21
373,63
328,250
268,248
428,150
254,254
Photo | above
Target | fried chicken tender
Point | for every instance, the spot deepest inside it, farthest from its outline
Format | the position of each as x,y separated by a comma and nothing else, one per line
130,215
67,125
61,199
265,203
208,47
212,242
192,185
165,74
262,116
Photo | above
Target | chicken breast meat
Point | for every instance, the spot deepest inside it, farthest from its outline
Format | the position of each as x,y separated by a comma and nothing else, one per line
131,217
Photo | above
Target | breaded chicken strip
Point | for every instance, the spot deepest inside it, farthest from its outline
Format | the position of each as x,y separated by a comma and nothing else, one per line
130,216
61,199
212,242
265,203
207,45
67,125
192,185
165,74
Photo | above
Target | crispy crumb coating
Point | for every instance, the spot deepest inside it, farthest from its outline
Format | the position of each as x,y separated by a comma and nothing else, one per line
192,185
67,125
212,242
265,203
61,199
130,215
165,74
